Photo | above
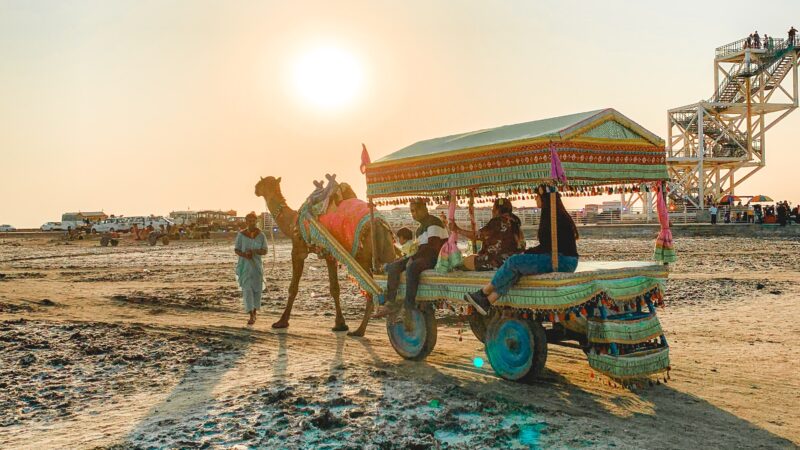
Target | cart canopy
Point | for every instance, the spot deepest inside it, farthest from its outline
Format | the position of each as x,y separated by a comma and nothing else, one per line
600,147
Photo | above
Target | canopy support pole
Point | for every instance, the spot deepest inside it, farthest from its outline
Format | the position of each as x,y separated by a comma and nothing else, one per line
372,235
472,220
553,232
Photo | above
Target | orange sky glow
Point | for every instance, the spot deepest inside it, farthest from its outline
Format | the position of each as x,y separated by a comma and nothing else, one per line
139,107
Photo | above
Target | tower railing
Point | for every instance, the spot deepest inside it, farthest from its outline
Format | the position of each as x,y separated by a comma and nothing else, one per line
739,46
731,49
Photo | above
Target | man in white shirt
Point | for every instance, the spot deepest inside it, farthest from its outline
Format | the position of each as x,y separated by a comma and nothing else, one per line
430,236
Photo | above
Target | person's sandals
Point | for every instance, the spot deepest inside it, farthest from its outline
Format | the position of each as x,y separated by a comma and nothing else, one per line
381,312
393,310
397,312
479,301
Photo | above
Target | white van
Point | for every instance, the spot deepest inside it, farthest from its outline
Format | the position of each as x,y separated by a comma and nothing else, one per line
72,221
155,221
113,224
52,226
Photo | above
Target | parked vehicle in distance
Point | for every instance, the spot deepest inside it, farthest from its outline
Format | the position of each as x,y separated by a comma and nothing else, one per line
76,221
7,228
52,226
155,221
113,224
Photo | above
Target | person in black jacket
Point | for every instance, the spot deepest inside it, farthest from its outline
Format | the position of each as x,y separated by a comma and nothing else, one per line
535,260
431,235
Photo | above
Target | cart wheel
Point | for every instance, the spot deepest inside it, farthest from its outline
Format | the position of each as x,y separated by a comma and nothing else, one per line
104,241
417,343
165,240
152,239
516,348
477,323
114,242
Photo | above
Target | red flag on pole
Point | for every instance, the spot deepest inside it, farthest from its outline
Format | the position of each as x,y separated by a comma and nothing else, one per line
364,158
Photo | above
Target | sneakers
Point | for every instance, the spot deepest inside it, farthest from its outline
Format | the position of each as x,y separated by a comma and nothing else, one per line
479,301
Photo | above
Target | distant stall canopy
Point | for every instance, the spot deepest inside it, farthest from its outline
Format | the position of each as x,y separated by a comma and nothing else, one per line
89,215
600,147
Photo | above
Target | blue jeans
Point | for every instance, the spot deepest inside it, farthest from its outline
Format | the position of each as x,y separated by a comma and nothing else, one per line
413,269
528,264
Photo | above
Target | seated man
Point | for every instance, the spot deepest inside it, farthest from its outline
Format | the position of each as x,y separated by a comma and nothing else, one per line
431,235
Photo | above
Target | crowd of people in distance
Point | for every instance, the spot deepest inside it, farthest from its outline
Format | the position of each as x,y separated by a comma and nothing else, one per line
767,42
780,213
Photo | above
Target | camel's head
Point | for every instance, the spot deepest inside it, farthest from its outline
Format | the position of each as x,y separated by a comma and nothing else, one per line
268,187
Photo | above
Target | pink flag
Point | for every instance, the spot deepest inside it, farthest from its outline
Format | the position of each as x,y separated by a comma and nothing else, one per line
665,249
364,158
556,171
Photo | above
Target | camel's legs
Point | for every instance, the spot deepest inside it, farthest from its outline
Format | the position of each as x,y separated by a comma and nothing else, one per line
333,278
298,262
367,314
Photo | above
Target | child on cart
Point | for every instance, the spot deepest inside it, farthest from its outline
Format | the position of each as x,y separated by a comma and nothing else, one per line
408,245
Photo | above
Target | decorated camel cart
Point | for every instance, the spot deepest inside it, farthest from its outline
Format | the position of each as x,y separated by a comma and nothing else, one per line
608,307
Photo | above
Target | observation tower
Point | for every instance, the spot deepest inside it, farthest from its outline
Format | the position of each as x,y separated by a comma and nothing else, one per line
716,144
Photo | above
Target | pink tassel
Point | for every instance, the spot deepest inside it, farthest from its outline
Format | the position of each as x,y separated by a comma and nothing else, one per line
556,171
664,239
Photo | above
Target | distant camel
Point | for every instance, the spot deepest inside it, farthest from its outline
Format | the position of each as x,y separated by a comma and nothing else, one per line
286,219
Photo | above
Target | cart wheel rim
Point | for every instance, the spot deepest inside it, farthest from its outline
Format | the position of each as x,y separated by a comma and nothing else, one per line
410,342
510,349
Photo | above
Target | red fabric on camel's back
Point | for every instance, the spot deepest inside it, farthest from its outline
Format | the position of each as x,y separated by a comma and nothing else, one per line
343,222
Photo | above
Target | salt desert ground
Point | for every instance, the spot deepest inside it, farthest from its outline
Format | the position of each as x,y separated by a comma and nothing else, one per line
140,347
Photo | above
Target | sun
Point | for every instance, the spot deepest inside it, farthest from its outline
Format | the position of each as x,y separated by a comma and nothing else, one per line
327,77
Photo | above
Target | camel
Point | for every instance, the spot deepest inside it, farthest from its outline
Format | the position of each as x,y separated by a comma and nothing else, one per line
286,219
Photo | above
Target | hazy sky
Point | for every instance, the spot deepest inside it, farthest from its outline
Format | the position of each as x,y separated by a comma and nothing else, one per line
139,107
